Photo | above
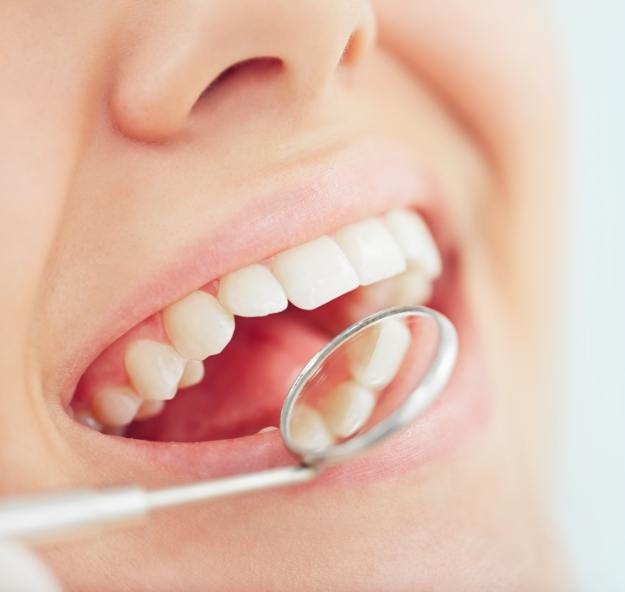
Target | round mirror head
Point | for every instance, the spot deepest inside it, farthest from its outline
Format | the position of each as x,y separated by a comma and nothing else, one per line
369,382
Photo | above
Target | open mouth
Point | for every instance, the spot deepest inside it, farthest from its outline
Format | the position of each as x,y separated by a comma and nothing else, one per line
217,363
193,380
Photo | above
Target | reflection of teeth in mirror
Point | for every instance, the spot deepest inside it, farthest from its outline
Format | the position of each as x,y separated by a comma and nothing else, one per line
347,408
309,430
378,354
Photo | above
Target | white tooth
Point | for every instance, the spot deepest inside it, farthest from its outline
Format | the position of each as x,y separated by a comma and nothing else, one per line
372,250
154,368
347,408
85,418
192,374
376,355
252,292
314,273
267,429
115,406
413,287
149,409
198,326
415,240
308,429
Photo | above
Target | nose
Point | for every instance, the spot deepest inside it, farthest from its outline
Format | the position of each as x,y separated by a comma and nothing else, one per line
178,49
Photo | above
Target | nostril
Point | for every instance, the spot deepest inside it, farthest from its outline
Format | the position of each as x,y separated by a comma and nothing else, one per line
361,39
352,49
251,70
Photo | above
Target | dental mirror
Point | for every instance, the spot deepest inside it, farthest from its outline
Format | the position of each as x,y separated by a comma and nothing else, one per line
368,383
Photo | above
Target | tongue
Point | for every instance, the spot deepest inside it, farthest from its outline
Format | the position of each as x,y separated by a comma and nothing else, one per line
244,387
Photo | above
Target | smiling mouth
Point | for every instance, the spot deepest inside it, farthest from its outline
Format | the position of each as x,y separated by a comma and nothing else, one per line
217,363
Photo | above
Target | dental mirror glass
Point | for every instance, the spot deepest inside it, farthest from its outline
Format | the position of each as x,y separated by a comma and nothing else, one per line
369,382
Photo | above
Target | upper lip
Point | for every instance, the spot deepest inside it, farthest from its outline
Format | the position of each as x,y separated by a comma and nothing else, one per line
363,178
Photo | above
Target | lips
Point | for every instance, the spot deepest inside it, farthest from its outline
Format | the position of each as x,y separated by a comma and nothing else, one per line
239,387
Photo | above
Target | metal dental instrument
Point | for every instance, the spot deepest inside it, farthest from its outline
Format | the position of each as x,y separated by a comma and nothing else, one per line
54,517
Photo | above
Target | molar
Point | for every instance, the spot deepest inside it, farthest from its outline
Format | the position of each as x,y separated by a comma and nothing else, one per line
314,273
154,368
372,250
377,355
252,292
198,326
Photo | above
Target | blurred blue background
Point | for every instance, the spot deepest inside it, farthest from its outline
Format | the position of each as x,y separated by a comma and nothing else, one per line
590,499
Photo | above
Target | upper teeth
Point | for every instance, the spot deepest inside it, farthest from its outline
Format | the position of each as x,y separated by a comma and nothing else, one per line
309,275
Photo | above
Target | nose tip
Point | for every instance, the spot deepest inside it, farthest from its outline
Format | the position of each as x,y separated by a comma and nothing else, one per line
180,53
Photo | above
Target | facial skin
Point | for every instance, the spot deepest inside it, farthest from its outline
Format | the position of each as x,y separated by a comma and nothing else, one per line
113,155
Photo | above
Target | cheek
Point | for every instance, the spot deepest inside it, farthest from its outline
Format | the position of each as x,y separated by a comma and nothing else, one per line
511,101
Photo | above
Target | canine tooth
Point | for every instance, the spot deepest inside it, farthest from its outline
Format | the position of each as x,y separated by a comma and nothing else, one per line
154,368
415,240
377,355
198,326
86,418
308,429
372,250
192,374
314,273
115,406
252,292
149,409
347,408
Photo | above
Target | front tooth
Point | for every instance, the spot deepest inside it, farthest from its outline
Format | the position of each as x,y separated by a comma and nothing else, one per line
372,250
192,374
308,429
377,355
348,408
149,409
314,273
198,326
154,368
115,406
252,292
415,240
